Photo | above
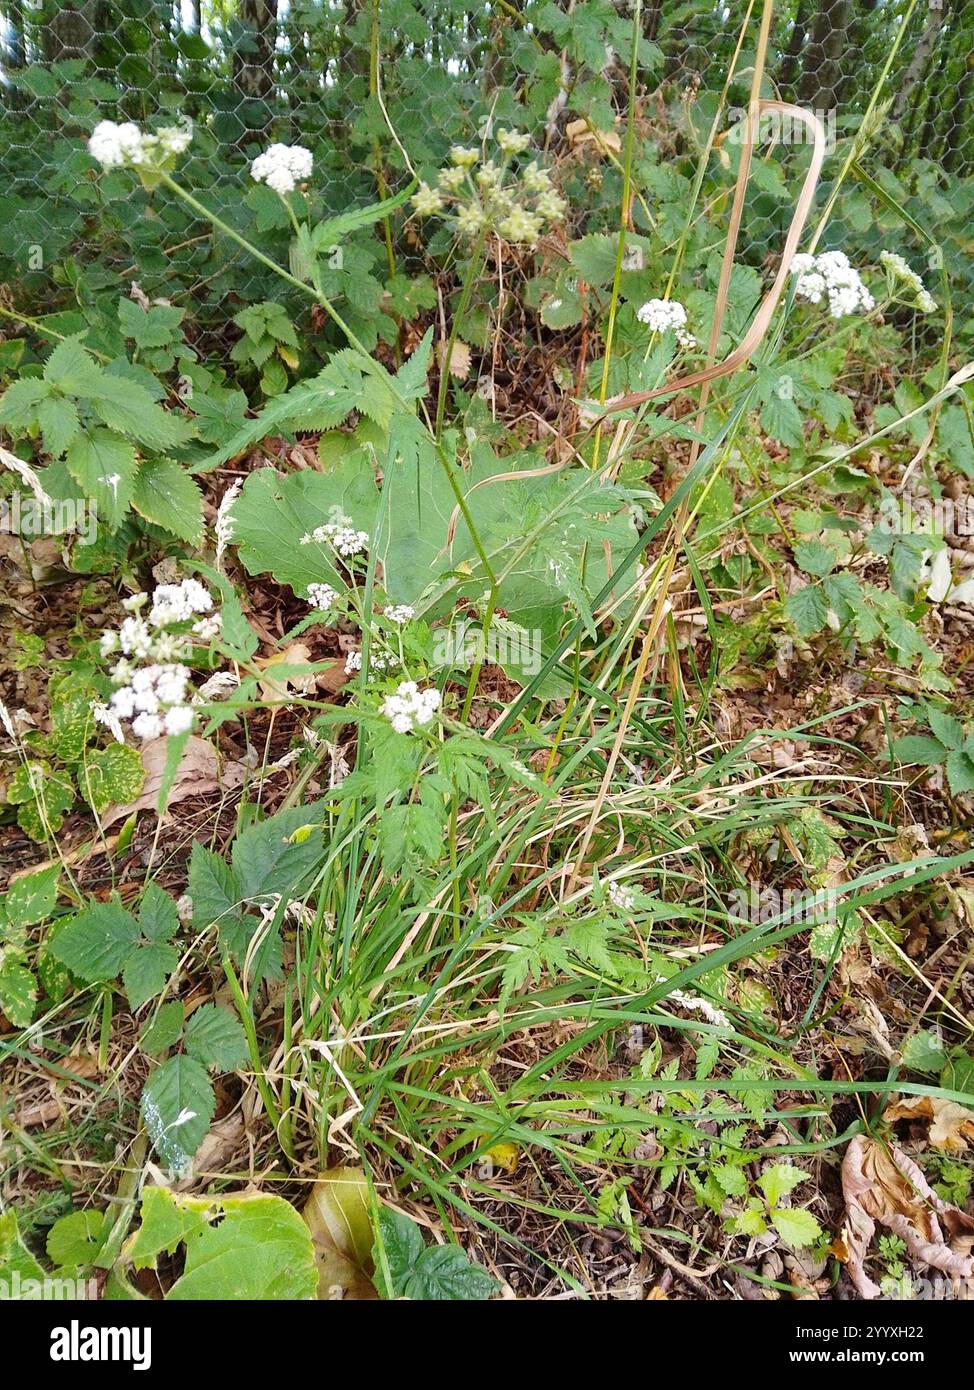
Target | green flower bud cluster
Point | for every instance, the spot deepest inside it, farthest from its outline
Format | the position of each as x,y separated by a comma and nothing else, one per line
480,195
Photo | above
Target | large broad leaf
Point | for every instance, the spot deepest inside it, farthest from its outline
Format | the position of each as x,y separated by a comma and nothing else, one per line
237,1248
337,1213
96,944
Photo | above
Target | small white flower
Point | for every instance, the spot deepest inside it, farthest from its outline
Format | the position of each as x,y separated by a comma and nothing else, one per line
400,613
321,596
107,715
410,707
353,663
621,897
282,166
114,145
661,314
208,628
178,720
512,141
831,275
898,269
147,726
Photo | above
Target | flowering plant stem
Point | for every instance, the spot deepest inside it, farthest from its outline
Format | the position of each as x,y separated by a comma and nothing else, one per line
316,294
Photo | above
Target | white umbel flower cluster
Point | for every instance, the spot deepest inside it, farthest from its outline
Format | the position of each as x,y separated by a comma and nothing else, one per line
156,697
661,314
116,145
282,166
831,275
400,613
410,708
898,269
341,535
621,897
321,596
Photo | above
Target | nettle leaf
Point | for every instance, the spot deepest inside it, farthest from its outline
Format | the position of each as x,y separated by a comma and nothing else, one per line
267,860
237,1248
20,402
103,465
31,899
807,609
111,776
919,749
96,943
177,1106
214,1036
18,993
796,1226
165,494
127,407
58,418
780,1179
72,369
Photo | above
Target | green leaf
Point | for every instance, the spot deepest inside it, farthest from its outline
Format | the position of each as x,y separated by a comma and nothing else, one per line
103,466
334,229
147,971
214,1036
58,418
125,406
946,728
19,404
924,1052
76,1239
776,1181
177,1106
213,887
400,1241
443,1273
920,750
259,1250
796,1226
158,917
31,899
164,1028
18,993
97,942
111,776
807,609
814,558
70,368
166,495
960,773
43,796
266,861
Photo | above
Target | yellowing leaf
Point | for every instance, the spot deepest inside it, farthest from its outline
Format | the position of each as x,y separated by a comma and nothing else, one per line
337,1215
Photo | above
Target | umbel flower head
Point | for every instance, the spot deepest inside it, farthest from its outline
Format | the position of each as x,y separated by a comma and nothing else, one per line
831,276
905,283
120,145
281,167
663,314
479,196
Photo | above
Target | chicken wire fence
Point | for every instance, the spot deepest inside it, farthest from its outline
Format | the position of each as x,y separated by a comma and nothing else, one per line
340,76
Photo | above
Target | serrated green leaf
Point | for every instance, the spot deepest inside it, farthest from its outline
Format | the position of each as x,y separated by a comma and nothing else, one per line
147,971
76,1239
215,1038
807,609
774,1182
165,494
97,942
164,1028
18,993
31,898
796,1226
177,1106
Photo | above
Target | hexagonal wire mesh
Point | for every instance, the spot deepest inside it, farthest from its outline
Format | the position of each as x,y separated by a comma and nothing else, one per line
248,71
